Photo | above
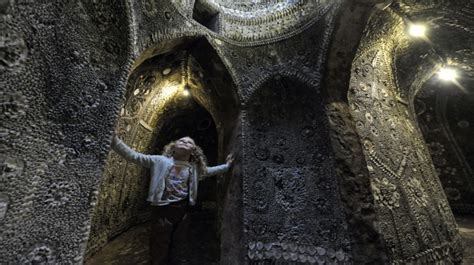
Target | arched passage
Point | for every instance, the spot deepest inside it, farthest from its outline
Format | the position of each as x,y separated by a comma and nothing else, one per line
445,117
196,122
157,110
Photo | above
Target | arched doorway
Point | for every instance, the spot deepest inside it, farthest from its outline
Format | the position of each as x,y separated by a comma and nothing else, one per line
444,115
168,96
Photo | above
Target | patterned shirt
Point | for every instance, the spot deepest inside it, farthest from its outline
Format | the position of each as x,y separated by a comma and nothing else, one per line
176,183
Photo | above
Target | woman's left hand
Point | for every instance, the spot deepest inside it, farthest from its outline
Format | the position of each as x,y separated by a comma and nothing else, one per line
230,159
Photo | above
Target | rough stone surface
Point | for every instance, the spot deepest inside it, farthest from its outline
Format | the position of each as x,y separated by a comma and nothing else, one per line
292,207
63,70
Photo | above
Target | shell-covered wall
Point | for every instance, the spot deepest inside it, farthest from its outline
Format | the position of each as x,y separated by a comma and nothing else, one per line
63,67
292,206
414,217
152,89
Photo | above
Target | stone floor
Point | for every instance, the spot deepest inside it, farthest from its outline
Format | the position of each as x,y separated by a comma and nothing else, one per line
132,246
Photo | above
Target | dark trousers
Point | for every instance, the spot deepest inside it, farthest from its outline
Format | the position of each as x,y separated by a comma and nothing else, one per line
169,234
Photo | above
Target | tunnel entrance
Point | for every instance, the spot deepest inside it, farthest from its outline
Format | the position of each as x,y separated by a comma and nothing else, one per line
132,246
196,122
170,95
445,119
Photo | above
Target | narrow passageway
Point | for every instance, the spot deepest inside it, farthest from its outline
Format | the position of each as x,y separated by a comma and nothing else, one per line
168,97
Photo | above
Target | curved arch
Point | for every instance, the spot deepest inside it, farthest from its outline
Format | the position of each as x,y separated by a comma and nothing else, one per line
427,97
293,74
163,44
154,91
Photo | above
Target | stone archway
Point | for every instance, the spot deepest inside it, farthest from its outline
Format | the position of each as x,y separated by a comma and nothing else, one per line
154,98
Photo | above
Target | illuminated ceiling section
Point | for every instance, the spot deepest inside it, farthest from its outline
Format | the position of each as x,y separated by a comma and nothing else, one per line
258,22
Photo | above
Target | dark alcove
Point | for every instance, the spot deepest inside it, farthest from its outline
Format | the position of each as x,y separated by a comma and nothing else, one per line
196,122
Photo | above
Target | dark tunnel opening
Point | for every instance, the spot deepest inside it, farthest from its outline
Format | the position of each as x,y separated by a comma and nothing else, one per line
196,122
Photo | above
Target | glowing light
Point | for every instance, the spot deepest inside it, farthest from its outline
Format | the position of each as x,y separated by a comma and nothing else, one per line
169,90
447,74
417,30
186,92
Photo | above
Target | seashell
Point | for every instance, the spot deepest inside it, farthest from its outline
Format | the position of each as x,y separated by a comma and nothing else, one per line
252,245
311,250
277,253
293,247
302,249
320,260
268,246
166,71
321,251
293,256
251,255
340,255
311,260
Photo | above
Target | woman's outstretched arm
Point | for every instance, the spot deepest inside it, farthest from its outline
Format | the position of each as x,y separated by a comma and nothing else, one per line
131,155
211,171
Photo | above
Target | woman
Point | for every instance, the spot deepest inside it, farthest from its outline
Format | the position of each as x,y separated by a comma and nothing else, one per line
173,187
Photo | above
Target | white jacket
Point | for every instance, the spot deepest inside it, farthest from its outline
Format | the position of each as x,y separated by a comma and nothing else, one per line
160,167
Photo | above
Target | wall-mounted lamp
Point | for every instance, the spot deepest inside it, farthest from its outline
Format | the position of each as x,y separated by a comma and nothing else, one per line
417,30
186,91
447,74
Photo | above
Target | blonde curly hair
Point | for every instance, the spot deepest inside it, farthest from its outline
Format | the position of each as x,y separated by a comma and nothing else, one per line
197,155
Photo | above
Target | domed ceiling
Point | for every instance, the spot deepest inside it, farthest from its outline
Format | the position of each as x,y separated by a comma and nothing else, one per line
253,22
